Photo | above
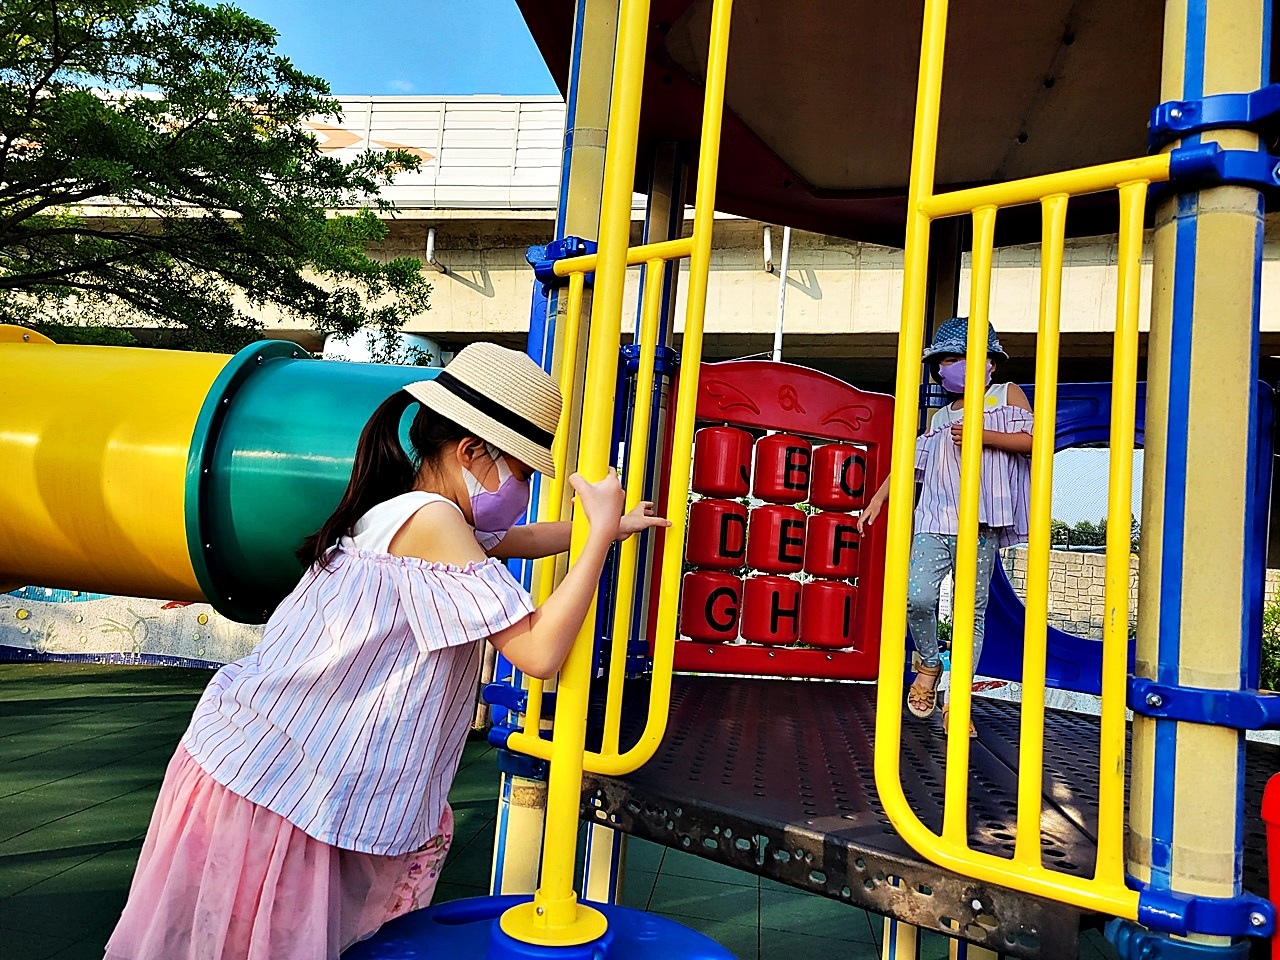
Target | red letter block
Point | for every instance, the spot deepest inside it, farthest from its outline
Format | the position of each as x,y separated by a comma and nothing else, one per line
717,534
839,477
709,607
782,469
771,610
827,617
721,462
831,546
776,541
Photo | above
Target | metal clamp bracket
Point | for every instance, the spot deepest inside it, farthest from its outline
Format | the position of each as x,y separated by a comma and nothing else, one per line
1181,914
639,663
522,765
510,698
516,699
1133,942
666,360
1241,111
543,258
1209,165
1238,709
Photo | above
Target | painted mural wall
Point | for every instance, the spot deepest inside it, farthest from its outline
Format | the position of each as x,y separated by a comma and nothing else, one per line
45,624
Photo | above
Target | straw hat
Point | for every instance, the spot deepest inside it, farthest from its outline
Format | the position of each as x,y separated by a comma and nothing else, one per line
502,396
952,338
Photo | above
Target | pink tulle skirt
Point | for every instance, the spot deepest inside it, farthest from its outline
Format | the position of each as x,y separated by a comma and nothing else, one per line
221,878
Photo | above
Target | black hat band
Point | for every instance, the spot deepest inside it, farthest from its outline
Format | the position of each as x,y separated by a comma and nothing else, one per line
495,411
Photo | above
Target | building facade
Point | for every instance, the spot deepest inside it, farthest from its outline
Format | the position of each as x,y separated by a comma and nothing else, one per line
488,187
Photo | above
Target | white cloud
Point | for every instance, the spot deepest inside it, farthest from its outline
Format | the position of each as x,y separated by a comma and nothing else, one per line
400,86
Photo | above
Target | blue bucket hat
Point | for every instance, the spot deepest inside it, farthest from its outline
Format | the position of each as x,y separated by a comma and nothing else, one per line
952,339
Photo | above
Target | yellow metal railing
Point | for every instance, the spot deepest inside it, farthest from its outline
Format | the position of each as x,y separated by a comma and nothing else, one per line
610,760
554,916
1025,871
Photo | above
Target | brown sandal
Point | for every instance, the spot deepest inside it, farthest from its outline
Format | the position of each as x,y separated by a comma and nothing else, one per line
920,701
946,716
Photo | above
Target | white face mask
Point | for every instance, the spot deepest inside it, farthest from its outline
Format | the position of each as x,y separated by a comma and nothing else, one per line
496,511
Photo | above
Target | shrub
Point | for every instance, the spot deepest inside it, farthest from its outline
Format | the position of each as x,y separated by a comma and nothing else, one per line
1269,678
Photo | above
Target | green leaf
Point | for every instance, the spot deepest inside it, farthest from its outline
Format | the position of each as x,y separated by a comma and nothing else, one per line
229,203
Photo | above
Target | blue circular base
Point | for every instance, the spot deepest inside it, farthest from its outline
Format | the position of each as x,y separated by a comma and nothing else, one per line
468,930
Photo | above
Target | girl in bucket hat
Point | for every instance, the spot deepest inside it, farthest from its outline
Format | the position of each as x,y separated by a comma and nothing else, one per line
306,803
1003,501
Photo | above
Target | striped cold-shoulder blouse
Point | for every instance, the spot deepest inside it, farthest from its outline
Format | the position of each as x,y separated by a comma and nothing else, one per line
349,718
1005,492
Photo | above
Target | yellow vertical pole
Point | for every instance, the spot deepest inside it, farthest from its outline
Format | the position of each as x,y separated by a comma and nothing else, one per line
522,800
554,916
963,950
955,815
1115,634
1027,848
901,940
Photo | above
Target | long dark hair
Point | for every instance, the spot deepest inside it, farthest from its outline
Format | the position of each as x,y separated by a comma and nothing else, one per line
381,469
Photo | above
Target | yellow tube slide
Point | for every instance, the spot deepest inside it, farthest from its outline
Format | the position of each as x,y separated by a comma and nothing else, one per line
94,444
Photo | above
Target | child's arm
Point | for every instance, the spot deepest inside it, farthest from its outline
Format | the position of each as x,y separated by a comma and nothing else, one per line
538,644
1017,442
874,505
532,541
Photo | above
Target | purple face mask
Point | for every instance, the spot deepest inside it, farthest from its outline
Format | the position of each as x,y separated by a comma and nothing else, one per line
952,376
496,511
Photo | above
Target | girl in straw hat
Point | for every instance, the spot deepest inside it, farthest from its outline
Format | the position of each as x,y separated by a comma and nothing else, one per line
1003,499
306,803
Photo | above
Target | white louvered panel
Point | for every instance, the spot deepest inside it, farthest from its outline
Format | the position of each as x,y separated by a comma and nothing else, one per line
481,116
534,197
468,198
411,196
402,116
463,157
484,152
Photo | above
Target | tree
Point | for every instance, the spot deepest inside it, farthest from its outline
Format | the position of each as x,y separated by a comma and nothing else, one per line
185,119
1088,534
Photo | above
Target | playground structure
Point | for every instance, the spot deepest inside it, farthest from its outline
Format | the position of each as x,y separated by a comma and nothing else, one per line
112,496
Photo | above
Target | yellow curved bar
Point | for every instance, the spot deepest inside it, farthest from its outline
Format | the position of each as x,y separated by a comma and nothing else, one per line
551,502
615,764
637,464
1106,892
94,442
905,412
661,250
686,404
1095,179
1035,653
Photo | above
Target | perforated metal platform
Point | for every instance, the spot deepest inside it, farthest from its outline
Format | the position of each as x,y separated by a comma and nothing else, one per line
775,777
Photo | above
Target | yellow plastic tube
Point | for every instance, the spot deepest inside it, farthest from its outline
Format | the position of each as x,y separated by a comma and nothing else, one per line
94,442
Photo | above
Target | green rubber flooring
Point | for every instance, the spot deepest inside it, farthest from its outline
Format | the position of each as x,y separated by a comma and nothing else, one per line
83,749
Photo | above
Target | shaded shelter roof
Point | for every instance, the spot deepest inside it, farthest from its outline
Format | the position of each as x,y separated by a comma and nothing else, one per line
820,100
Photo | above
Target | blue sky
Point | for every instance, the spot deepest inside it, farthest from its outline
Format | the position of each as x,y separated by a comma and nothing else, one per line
427,47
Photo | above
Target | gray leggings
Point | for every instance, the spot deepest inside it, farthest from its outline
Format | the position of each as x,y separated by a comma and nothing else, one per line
933,557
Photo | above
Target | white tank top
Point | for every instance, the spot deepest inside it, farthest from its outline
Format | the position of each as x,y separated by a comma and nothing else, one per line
377,528
997,396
